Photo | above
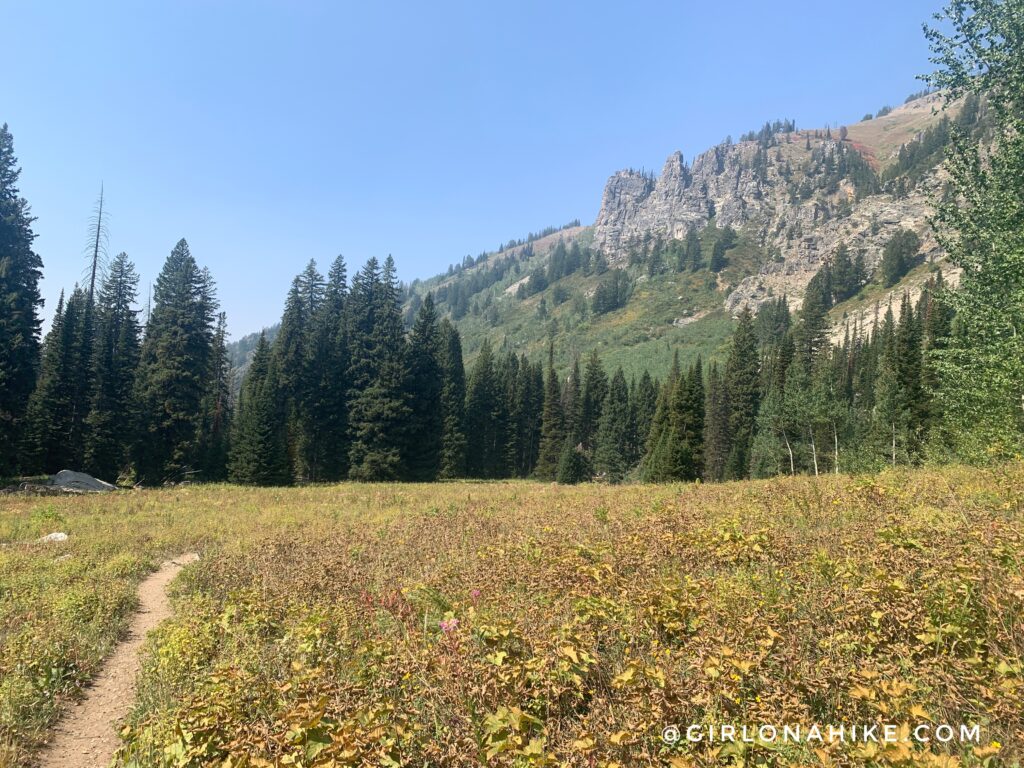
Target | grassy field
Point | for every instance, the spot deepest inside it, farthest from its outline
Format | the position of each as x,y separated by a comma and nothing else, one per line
522,624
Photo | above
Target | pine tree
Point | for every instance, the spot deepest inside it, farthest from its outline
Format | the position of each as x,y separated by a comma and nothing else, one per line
687,426
301,305
424,383
898,256
811,337
573,465
259,447
643,405
526,417
481,416
718,260
890,417
846,280
773,322
800,413
97,259
937,324
553,435
50,406
215,422
20,303
453,404
506,373
716,427
743,390
379,413
87,332
58,408
296,361
614,433
676,447
908,344
572,403
81,349
326,392
771,452
595,387
111,424
172,377
655,466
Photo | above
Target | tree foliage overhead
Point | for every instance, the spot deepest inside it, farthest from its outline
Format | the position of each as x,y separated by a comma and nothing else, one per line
979,225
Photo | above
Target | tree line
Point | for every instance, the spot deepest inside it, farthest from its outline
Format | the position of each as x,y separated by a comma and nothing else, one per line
117,399
344,391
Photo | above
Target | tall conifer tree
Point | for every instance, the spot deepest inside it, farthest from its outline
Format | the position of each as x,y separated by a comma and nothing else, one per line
643,404
215,422
297,361
614,432
111,425
716,426
743,386
173,373
424,384
50,406
379,414
20,303
259,448
481,416
553,435
595,387
327,360
453,404
57,411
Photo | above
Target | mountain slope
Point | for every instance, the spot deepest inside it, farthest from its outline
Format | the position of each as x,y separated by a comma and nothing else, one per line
801,193
784,198
778,203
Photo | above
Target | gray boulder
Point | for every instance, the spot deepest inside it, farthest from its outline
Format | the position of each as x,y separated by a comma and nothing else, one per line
79,481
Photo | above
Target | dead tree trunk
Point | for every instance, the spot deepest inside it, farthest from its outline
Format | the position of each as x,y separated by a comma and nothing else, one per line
792,467
835,438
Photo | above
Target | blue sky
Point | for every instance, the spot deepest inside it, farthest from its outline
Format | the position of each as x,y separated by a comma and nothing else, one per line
269,133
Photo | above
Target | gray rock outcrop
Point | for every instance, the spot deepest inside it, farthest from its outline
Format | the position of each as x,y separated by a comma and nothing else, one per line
760,189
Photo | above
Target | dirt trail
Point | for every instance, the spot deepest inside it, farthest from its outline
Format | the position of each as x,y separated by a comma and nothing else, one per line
87,736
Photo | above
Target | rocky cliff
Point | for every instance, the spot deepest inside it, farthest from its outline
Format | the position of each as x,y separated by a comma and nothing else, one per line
799,194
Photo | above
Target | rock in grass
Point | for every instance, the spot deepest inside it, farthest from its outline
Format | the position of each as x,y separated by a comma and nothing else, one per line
53,538
79,481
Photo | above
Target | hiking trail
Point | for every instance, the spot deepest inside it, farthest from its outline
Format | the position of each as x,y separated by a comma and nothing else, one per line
87,735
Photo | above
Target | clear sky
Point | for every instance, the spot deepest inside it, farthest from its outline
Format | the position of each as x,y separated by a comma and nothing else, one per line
268,133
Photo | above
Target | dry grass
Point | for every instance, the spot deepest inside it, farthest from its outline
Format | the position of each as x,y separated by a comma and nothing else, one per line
523,624
880,139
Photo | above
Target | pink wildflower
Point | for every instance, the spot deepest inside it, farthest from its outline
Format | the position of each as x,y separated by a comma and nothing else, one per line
449,625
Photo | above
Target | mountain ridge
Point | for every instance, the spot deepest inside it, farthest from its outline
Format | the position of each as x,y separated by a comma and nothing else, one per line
788,198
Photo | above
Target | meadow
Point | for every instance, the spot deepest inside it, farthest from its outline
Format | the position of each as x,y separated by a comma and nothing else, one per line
526,624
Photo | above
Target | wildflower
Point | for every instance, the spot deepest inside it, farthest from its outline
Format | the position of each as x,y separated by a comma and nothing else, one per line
449,625
475,594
